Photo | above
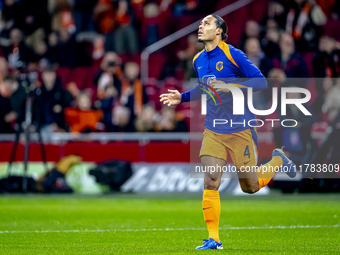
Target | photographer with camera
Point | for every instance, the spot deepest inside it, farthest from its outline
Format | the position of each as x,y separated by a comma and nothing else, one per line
5,108
109,75
17,98
52,99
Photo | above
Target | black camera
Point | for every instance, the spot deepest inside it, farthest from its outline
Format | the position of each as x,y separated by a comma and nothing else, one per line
111,64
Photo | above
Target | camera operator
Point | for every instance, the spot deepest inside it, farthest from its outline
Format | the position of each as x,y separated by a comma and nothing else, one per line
5,108
51,100
17,100
109,75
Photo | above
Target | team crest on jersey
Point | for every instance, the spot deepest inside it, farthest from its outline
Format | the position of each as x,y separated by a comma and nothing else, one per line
219,65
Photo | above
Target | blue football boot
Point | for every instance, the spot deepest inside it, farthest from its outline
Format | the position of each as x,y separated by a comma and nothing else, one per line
288,166
210,244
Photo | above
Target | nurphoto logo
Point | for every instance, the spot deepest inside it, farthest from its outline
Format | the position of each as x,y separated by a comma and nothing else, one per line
238,103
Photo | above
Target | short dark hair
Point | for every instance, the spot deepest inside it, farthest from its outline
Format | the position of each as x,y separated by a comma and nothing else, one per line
220,23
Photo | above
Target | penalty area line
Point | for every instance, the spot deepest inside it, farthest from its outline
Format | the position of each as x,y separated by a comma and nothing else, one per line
166,229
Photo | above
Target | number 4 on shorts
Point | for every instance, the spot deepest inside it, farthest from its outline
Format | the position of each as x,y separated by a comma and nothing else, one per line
246,152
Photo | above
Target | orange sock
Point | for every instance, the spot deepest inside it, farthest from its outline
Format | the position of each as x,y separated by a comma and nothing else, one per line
211,211
266,172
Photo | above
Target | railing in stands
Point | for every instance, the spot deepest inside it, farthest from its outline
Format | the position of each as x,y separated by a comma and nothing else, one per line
181,33
142,138
106,137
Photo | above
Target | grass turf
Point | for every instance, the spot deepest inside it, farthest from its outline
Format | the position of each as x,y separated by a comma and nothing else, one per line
130,220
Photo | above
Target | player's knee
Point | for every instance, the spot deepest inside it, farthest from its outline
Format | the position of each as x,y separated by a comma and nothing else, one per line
211,184
249,187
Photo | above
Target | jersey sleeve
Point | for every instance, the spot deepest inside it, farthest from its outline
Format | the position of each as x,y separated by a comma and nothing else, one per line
192,95
247,69
195,93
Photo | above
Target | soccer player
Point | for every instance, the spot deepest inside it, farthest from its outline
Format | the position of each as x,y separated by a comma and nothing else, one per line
217,61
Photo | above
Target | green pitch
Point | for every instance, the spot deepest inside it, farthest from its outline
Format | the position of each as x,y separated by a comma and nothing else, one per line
129,224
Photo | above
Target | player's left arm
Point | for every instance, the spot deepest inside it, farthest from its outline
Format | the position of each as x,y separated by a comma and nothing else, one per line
247,69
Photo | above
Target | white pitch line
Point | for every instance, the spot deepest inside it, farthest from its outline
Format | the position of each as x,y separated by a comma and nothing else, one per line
168,229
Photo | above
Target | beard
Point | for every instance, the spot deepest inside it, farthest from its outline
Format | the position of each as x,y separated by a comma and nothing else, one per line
199,40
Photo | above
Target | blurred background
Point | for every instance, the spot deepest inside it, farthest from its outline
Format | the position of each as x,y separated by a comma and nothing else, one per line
81,79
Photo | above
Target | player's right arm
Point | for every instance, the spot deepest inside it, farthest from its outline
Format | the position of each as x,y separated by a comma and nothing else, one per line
175,98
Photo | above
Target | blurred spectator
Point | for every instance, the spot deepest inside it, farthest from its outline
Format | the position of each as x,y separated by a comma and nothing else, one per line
17,50
67,49
326,84
323,61
279,13
73,89
41,54
129,93
60,11
10,11
5,109
331,104
288,64
295,139
325,64
126,41
270,41
40,49
52,102
34,19
105,15
83,119
53,51
186,56
107,103
293,112
83,17
133,94
253,51
199,7
328,6
297,17
17,99
110,74
257,57
180,7
170,123
121,120
300,25
3,68
150,26
98,43
146,120
252,30
330,149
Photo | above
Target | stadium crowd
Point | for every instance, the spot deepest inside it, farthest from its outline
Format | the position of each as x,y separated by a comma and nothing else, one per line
80,59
